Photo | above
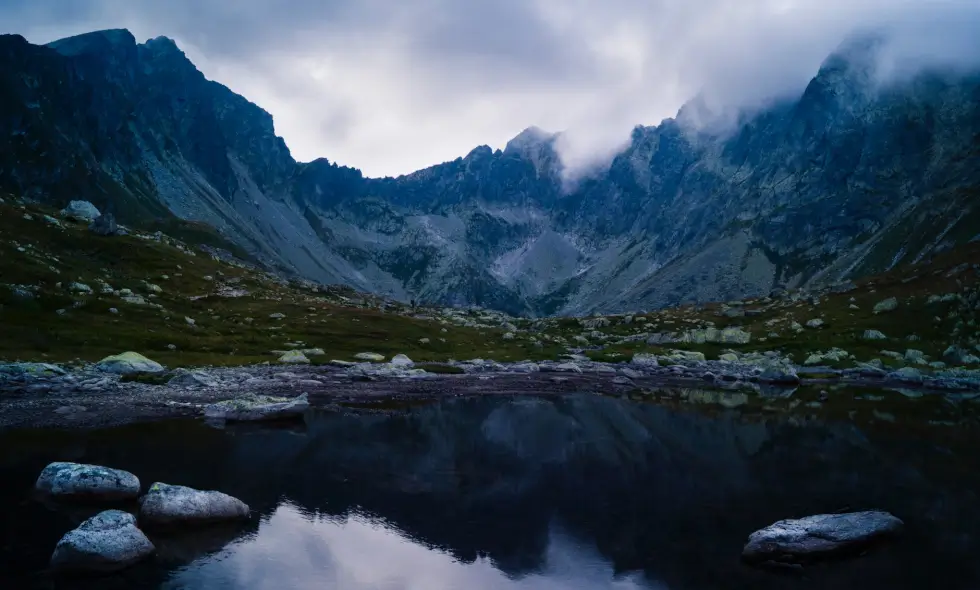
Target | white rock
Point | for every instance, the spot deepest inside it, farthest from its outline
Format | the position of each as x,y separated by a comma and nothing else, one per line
644,359
81,210
400,360
128,363
294,357
166,504
92,481
109,541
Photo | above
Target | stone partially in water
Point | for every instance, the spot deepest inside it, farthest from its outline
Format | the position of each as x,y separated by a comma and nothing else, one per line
129,363
259,407
166,504
816,537
779,374
108,541
87,481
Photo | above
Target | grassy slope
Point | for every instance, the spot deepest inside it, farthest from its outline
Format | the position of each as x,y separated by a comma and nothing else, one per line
222,334
231,331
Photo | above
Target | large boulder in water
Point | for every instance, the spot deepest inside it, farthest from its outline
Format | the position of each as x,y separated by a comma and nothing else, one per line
258,407
815,537
166,504
81,210
78,480
129,363
108,541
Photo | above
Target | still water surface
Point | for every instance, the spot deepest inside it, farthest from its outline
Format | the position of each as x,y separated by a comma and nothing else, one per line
580,492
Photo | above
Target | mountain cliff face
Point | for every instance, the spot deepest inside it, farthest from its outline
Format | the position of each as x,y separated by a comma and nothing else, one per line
850,178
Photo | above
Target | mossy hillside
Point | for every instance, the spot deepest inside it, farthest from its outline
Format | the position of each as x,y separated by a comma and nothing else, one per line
226,330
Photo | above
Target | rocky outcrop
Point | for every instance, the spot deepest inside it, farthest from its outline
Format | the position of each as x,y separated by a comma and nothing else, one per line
77,480
817,537
166,505
109,541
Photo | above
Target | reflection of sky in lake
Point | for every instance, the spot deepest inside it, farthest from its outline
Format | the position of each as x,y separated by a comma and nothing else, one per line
296,551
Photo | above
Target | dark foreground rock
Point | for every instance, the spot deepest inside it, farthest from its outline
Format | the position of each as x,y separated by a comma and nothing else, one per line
166,505
77,480
818,537
107,542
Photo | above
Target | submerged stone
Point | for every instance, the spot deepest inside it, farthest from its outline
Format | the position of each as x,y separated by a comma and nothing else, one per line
166,504
820,536
109,541
87,481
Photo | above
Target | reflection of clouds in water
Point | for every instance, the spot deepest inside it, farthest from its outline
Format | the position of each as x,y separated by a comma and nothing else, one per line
291,551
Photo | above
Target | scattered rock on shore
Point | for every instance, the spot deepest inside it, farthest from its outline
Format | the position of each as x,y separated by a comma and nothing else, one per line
823,535
87,481
166,504
372,357
109,541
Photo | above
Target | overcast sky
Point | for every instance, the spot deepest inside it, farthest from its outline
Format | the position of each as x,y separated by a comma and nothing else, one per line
391,86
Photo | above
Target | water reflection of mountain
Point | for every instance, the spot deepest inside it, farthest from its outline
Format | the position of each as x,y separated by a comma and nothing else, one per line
674,493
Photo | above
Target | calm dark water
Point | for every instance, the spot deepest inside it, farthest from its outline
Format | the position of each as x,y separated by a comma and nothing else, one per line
583,492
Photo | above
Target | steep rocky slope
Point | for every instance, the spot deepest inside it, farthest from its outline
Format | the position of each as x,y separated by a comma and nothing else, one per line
851,178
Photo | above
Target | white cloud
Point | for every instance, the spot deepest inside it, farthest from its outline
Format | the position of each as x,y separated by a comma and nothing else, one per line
391,86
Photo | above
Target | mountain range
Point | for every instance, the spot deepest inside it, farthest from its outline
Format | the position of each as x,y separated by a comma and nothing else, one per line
851,177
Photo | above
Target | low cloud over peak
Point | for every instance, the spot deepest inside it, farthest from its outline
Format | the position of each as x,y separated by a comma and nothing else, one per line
391,86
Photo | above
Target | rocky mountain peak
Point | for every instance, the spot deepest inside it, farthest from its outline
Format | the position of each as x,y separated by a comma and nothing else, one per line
96,43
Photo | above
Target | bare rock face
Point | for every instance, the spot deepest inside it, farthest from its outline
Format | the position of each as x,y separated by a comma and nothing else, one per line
108,541
87,481
166,504
817,537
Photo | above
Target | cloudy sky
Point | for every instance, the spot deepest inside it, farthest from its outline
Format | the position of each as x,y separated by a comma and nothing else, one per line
391,86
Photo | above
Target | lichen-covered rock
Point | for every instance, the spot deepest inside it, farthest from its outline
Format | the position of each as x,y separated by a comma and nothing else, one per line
400,360
81,210
294,357
31,369
815,537
185,378
874,335
889,304
258,407
79,480
166,504
109,541
129,363
371,357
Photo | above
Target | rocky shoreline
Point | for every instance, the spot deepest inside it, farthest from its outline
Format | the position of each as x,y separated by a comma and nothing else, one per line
42,395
